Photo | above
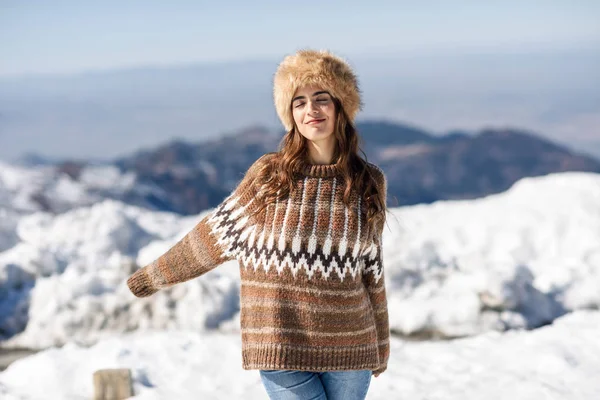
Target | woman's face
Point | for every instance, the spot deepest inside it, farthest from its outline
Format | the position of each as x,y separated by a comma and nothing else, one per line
314,113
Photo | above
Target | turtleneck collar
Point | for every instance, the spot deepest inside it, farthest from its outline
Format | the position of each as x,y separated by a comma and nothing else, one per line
319,170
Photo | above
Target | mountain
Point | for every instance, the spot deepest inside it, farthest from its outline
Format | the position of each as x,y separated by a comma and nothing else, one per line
461,166
187,178
194,177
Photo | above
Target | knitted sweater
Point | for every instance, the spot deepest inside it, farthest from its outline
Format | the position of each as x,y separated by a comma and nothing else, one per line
313,294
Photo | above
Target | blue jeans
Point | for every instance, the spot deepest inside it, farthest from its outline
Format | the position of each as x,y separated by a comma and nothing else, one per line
305,385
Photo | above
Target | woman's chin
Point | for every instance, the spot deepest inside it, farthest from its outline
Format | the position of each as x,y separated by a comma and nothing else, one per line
318,135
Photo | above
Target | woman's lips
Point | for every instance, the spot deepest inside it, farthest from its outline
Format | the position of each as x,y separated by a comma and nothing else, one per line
315,121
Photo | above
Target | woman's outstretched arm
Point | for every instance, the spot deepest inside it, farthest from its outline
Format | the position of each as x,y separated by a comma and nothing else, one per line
210,243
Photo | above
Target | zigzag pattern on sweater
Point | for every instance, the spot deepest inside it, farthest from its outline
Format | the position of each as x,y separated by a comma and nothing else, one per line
239,240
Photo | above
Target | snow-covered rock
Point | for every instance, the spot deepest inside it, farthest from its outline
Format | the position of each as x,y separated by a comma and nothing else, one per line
516,259
58,189
65,279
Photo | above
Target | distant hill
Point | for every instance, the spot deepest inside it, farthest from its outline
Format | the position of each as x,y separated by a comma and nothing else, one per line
460,166
188,177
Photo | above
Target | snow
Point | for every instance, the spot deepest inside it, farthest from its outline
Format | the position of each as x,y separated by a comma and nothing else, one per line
46,188
187,365
487,268
8,223
67,276
519,258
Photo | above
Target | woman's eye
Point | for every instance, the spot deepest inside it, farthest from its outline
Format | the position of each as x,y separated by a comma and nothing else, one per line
298,105
323,100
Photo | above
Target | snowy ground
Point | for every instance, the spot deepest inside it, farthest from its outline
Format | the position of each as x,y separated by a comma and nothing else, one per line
561,362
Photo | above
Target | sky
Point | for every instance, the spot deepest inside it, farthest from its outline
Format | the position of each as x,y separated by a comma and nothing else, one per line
75,36
102,79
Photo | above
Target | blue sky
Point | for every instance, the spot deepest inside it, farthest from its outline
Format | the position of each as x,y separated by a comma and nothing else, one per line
74,36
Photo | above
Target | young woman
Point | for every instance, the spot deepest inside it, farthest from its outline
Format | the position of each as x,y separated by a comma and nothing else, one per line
305,224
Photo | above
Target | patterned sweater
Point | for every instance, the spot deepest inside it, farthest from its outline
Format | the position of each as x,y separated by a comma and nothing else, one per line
313,294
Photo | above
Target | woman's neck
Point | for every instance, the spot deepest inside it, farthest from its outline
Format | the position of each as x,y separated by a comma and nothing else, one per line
321,153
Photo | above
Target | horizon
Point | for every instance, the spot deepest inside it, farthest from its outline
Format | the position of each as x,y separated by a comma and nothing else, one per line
531,49
168,141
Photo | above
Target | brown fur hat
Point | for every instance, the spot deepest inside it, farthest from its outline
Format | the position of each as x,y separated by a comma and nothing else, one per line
320,68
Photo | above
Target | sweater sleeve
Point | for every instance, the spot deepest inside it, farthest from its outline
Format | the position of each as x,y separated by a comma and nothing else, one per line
210,243
374,281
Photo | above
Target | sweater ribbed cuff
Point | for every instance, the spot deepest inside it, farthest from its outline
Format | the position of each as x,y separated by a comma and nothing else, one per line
140,285
384,354
379,370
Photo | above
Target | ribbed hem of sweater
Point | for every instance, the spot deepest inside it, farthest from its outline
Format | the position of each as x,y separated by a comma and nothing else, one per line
271,356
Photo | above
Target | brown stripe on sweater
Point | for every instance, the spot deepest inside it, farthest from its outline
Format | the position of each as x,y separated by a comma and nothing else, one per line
293,216
383,324
258,302
297,296
297,339
164,266
203,255
154,274
380,309
324,211
308,219
378,298
277,207
324,323
278,288
312,348
254,219
303,312
353,223
246,191
263,228
304,332
204,245
279,218
278,335
376,290
338,215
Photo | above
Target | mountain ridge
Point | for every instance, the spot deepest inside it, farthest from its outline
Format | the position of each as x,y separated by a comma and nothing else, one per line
189,177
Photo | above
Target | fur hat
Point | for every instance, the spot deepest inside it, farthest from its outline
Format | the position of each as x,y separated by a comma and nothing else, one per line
320,68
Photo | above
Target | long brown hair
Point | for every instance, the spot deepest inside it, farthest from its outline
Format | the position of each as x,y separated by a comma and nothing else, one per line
278,176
